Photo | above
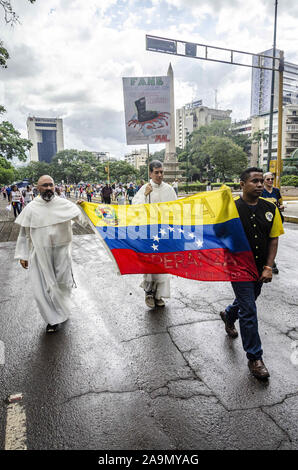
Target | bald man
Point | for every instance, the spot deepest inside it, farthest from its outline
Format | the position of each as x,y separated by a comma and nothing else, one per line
44,246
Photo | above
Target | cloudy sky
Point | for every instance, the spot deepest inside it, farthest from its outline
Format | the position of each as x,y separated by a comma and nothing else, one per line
68,58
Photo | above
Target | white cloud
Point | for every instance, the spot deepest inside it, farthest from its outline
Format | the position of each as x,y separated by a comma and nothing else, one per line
68,58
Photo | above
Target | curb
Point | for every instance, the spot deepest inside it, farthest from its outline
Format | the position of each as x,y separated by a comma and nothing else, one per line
291,218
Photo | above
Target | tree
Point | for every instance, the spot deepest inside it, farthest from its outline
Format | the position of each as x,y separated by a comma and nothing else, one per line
11,142
258,137
198,159
11,18
122,171
227,158
7,172
73,166
34,171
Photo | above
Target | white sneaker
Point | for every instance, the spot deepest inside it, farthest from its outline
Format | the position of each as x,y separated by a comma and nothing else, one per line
159,303
149,300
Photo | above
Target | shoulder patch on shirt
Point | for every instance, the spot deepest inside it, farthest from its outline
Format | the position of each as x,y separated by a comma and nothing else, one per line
269,216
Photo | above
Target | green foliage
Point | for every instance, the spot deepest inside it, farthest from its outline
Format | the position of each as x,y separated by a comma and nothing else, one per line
11,142
4,56
122,171
73,166
197,186
34,171
7,172
289,180
214,151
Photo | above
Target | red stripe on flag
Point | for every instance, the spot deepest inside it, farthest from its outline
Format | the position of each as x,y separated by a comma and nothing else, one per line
203,265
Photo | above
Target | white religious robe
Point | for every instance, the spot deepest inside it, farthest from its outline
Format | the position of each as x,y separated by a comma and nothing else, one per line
159,284
45,242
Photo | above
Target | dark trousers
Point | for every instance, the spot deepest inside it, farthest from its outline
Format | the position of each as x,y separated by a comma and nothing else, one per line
107,200
89,197
17,208
244,308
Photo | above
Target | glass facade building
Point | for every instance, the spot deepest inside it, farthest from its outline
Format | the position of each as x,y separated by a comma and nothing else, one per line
46,135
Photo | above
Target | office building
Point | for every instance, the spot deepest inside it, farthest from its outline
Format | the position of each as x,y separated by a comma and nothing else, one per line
137,158
46,135
289,135
103,157
261,85
194,115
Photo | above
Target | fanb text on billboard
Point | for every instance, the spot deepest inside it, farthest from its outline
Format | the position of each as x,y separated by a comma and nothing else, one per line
147,109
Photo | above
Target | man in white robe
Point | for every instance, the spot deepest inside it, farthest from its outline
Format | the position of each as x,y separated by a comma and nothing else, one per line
44,245
156,286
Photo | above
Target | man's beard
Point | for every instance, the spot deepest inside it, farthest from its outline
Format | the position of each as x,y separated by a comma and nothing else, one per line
47,195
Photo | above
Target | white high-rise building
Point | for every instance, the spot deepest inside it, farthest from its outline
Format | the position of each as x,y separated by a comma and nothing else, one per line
194,115
46,134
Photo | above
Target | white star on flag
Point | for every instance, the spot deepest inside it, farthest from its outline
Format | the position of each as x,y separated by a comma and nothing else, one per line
199,243
191,235
162,231
181,230
155,247
171,229
156,238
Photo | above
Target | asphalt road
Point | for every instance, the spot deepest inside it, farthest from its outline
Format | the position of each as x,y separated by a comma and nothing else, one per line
121,376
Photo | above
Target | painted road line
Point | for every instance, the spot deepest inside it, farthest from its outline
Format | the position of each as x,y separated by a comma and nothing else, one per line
2,353
15,434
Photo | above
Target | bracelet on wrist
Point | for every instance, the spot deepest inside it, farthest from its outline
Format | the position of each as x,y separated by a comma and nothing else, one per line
268,267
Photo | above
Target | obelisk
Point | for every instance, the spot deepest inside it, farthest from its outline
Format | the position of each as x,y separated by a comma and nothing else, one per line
171,165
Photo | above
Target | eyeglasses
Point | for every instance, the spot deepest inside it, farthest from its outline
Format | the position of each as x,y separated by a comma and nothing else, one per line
269,179
45,185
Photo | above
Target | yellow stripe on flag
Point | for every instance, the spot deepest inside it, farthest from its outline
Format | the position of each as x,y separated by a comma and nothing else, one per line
210,207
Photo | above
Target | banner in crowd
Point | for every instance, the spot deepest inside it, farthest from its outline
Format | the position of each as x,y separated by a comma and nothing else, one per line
199,237
147,109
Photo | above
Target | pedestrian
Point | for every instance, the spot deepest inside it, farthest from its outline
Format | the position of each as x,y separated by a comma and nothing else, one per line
44,245
89,193
156,286
120,195
106,193
8,191
175,186
208,186
130,193
273,194
16,200
262,224
28,195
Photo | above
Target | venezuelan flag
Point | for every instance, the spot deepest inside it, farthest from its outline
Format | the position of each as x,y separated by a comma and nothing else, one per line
199,237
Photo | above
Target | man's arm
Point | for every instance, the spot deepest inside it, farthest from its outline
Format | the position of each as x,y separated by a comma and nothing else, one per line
266,275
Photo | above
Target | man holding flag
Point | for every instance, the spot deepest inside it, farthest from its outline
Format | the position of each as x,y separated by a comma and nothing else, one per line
262,225
155,286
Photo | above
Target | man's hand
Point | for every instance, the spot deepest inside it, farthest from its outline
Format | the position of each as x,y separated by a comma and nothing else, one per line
148,189
24,263
266,275
79,201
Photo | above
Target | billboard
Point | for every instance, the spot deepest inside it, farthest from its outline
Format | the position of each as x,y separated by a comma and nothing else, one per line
147,110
